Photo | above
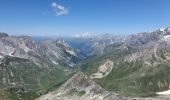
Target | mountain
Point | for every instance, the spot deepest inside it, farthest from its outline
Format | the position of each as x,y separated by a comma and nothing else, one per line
29,67
83,35
136,67
115,67
145,37
95,45
140,65
81,87
75,89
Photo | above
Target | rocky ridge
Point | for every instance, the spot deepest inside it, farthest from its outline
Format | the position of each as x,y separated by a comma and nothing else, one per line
31,66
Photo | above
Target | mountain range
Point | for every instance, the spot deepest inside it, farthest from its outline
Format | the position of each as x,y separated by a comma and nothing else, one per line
102,67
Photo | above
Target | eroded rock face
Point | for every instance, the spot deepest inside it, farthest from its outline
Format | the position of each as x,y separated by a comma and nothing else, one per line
26,48
80,87
103,70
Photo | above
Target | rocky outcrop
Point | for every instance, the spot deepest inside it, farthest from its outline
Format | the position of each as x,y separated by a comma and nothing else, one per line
103,70
80,87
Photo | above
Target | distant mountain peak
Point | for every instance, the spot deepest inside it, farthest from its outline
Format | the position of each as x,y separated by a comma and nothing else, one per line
3,34
162,29
165,29
83,35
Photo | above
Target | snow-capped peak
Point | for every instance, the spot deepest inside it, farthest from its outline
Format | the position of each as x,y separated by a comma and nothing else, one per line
168,29
165,29
83,35
162,29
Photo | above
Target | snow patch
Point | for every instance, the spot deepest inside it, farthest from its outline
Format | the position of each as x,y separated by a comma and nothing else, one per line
54,62
162,29
10,54
12,74
111,42
71,64
163,93
166,38
71,52
1,56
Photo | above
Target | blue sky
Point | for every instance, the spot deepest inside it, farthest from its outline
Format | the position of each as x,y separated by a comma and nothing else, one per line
67,17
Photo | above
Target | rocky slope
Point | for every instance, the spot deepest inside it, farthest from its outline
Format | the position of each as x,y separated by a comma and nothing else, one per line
27,65
80,87
140,65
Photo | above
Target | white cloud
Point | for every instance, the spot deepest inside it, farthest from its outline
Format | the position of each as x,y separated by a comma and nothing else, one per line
54,4
59,9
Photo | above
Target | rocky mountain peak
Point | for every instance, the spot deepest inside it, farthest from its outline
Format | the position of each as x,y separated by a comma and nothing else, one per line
145,37
3,34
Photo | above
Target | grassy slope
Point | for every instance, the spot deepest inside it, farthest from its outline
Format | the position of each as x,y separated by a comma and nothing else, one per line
130,78
35,80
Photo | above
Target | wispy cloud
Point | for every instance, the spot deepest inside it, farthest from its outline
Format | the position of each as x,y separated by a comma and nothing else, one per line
59,9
